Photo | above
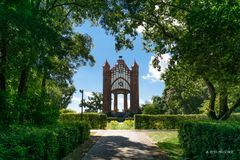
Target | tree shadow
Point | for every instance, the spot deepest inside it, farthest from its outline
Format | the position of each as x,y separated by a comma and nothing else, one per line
119,147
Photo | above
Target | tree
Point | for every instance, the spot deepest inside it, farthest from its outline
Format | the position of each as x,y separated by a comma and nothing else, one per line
202,34
94,102
183,92
151,109
39,54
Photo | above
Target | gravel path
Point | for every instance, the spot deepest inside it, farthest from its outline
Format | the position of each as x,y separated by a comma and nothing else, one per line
123,145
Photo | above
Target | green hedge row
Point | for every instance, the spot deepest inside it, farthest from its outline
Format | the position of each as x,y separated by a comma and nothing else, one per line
235,117
145,121
51,142
96,120
210,140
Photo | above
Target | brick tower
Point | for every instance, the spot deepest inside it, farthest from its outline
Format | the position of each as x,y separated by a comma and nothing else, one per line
120,80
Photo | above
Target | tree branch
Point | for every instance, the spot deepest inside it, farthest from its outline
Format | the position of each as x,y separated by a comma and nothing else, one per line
53,4
229,112
212,92
66,16
171,5
65,4
163,29
237,104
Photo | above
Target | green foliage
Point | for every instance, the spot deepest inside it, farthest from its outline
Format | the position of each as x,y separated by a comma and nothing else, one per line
234,117
200,35
184,93
96,120
75,135
210,140
151,109
163,121
40,52
127,124
50,142
63,111
94,102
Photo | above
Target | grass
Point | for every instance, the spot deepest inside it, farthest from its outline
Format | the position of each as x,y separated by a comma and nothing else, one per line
168,142
127,124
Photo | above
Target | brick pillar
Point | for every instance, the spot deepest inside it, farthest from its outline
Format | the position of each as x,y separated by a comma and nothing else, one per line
115,102
106,88
134,89
125,102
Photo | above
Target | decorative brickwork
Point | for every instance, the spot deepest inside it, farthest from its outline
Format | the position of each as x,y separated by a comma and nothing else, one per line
120,80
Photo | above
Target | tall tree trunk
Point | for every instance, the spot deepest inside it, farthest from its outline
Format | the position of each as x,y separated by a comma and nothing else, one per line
22,92
4,118
3,62
212,92
223,106
22,87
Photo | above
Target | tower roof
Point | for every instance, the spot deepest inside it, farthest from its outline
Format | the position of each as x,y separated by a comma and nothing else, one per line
106,64
135,64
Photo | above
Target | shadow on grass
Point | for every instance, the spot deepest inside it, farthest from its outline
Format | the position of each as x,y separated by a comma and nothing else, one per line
173,150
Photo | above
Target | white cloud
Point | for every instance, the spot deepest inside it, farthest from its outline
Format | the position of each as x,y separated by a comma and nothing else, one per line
74,106
153,74
141,102
140,29
76,98
87,94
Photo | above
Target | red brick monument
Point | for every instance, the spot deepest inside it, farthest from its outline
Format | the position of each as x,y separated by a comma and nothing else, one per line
120,80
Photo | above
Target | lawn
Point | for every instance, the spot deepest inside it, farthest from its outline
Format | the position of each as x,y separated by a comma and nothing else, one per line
168,142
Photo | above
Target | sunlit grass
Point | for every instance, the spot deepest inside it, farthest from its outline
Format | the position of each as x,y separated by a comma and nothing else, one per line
127,124
168,142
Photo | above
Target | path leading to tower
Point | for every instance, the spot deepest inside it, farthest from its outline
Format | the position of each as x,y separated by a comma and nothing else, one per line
123,145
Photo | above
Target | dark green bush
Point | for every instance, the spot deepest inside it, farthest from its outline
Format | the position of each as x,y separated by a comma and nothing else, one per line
145,121
210,140
96,120
51,142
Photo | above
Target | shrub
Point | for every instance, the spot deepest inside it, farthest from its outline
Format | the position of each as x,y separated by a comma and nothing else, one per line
62,111
51,142
151,109
127,124
71,134
210,140
96,120
234,117
144,121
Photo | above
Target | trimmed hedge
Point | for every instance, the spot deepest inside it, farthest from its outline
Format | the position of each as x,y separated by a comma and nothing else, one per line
234,117
210,140
96,120
51,142
146,121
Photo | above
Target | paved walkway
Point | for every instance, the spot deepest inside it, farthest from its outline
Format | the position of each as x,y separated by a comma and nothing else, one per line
123,145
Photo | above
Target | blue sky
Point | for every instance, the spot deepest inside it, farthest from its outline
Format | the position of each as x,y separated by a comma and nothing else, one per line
90,78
